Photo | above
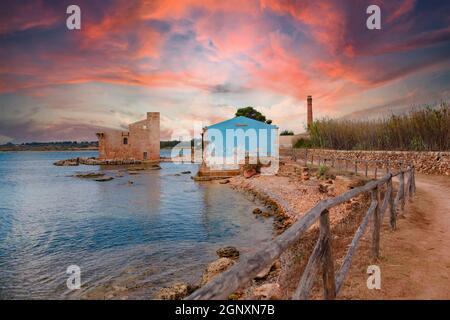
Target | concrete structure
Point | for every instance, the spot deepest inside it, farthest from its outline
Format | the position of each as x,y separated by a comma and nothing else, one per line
310,113
228,143
140,142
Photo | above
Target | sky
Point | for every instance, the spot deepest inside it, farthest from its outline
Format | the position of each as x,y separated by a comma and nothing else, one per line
199,60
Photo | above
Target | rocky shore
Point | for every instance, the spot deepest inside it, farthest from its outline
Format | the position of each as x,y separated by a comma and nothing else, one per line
286,197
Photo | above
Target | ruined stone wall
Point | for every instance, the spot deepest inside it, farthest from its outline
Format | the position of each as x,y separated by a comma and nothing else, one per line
111,145
143,136
424,162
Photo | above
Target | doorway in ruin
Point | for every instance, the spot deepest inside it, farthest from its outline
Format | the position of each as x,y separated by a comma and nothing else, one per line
145,155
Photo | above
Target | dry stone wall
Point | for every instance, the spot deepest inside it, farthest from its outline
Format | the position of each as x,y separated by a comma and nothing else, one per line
437,163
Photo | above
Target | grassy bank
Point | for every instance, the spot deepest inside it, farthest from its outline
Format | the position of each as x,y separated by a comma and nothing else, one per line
427,129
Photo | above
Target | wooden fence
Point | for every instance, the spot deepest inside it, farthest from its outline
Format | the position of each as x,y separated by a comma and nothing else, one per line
321,257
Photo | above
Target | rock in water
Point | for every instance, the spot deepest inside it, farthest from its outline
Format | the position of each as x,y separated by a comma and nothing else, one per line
185,172
67,163
228,252
89,175
104,179
257,211
175,292
215,268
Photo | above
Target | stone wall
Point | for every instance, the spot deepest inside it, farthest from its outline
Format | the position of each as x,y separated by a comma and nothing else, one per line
425,162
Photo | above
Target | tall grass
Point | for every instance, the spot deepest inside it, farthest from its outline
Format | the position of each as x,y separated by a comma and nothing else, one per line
426,129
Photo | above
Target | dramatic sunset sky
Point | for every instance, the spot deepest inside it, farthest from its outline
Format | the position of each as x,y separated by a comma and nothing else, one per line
200,60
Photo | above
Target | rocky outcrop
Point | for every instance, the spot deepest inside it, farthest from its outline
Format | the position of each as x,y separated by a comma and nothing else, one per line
215,268
228,252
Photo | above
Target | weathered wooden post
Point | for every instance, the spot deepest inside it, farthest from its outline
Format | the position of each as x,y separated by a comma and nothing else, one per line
356,166
402,190
376,225
327,259
393,212
321,255
411,183
367,167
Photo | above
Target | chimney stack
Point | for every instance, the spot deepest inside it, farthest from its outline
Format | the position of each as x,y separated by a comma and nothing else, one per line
310,114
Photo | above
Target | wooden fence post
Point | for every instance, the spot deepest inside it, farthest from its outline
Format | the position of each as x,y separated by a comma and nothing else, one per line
376,225
367,167
327,259
411,183
393,212
402,190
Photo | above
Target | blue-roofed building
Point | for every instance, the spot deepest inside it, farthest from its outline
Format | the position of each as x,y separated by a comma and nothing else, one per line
227,144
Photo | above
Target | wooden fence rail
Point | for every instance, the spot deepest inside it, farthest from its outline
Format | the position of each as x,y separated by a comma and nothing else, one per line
321,257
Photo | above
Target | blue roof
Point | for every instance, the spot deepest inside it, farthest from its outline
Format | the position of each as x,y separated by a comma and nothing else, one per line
242,121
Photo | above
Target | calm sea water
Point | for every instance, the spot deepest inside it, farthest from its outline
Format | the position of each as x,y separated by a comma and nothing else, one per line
135,238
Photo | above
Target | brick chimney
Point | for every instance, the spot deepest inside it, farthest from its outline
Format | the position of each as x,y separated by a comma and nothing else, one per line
310,114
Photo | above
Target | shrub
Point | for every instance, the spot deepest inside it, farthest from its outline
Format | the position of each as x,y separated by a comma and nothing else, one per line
323,170
303,143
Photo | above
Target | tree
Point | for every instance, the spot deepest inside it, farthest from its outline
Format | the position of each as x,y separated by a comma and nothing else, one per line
252,113
287,133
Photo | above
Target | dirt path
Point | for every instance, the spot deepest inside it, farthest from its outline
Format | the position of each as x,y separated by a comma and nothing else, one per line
415,259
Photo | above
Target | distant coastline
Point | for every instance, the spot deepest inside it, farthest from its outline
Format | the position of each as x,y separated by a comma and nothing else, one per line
65,146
